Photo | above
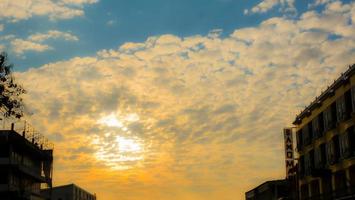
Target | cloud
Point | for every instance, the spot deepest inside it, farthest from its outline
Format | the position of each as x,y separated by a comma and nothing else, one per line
111,22
266,5
55,10
19,46
79,2
203,115
334,19
1,27
35,42
53,34
319,2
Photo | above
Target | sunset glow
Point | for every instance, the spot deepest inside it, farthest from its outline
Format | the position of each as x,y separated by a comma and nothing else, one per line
120,153
116,151
111,121
172,100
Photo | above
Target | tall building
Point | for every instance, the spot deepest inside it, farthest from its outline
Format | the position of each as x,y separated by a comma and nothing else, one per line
25,165
326,142
68,192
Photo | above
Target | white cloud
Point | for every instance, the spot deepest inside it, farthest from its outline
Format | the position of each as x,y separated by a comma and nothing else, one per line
79,2
25,9
1,27
35,42
19,46
319,2
266,5
7,37
53,34
111,22
334,19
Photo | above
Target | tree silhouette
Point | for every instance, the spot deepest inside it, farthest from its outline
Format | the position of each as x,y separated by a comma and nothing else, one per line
11,103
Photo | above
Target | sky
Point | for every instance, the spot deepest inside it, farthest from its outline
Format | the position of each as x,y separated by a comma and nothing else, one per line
178,100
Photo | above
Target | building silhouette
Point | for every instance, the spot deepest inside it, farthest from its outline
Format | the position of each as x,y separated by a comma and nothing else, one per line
68,192
25,165
275,189
326,142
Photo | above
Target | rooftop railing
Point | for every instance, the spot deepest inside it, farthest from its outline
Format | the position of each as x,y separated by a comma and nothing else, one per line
25,129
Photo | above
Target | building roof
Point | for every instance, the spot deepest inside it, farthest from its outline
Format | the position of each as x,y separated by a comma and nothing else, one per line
272,182
330,91
71,185
24,142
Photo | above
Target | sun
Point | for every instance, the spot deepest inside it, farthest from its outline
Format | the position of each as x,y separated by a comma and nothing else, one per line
118,148
128,145
111,121
120,153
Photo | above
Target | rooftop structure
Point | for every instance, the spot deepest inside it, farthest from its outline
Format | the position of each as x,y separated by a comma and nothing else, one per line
68,192
274,189
25,164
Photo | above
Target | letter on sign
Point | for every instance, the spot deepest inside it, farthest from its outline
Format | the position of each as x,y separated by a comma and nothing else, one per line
288,151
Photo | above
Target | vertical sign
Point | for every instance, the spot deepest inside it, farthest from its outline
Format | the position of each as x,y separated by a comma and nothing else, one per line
288,151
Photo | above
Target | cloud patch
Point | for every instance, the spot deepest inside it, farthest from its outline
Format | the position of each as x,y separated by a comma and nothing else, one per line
266,5
14,11
19,46
36,41
53,34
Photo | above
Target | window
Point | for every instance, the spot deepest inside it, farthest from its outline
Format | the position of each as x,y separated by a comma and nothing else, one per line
308,161
340,183
330,153
307,134
299,139
316,128
344,145
353,97
321,124
340,106
351,138
311,159
310,130
301,166
332,149
327,117
319,156
348,103
336,147
352,176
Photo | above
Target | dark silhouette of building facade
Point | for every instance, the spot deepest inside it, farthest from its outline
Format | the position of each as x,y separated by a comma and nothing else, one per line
326,142
275,189
68,192
25,165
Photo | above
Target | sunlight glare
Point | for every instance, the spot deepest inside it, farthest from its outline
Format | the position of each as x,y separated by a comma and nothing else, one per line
127,145
111,121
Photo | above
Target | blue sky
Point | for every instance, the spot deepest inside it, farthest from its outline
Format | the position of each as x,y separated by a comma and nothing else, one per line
178,100
108,24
